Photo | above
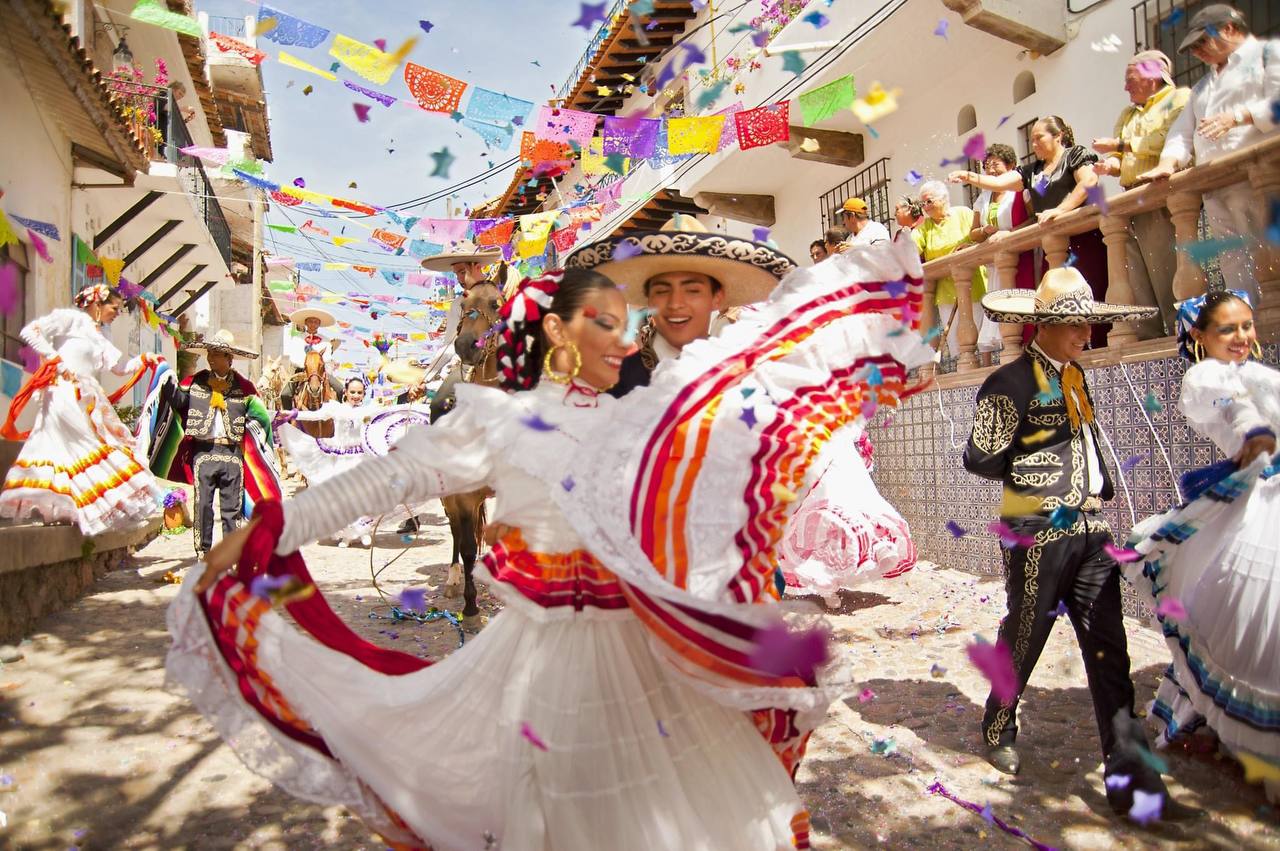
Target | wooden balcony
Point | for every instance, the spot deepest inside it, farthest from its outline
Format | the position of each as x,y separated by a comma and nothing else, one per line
1258,165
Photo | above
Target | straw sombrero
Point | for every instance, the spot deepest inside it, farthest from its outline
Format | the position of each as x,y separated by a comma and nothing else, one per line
223,341
1063,298
462,252
747,270
298,317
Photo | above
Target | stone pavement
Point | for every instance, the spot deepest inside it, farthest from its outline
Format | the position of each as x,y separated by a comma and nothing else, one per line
94,753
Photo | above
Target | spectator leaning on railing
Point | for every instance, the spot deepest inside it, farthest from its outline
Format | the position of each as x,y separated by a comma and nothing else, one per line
1155,103
817,251
1059,181
943,230
856,217
908,213
1230,109
1001,211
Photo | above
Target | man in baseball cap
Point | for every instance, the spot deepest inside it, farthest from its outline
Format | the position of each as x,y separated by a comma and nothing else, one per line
856,217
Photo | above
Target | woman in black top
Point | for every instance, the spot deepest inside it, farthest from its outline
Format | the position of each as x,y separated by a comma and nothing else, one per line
1058,181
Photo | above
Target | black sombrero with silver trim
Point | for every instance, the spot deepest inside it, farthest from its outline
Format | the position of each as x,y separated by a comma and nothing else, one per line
747,270
223,341
1063,298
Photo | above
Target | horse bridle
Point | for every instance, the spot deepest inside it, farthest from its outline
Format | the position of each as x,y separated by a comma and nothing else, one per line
490,339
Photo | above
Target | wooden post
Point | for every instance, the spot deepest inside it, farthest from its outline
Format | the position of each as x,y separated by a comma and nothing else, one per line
1115,233
1184,209
967,331
1057,247
1265,178
1010,332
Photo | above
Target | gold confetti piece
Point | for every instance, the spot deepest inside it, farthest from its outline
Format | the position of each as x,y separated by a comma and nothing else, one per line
1038,437
603,91
629,78
809,145
783,494
264,25
878,103
1016,505
1042,380
1256,769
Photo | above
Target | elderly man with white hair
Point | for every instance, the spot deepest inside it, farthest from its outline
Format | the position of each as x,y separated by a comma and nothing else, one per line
1155,103
945,229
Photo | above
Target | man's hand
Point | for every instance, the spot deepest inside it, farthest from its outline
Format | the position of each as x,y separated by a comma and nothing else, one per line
1103,168
1255,446
1048,215
1106,145
1216,126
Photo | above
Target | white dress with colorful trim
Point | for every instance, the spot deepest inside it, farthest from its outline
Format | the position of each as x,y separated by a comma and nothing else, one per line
844,533
615,702
1219,556
78,464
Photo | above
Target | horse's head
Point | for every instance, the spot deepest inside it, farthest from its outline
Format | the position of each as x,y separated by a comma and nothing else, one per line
480,308
316,382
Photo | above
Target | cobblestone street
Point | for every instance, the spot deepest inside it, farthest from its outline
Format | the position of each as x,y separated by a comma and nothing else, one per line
94,753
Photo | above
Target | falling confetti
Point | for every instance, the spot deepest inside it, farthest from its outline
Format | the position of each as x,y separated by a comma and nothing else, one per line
783,494
1121,554
591,14
362,112
627,249
794,63
976,147
1146,806
996,664
1118,781
1097,197
306,90
413,599
1151,404
937,671
1256,769
10,292
537,423
883,747
662,731
1171,607
635,318
1127,465
866,696
956,530
748,416
426,26
941,28
527,731
784,652
809,145
914,177
760,234
567,483
443,159
1063,517
1060,611
1204,250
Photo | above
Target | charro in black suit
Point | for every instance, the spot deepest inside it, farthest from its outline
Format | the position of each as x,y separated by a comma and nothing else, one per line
1028,436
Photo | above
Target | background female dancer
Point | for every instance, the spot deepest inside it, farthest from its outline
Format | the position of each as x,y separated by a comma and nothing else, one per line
1211,569
618,700
78,463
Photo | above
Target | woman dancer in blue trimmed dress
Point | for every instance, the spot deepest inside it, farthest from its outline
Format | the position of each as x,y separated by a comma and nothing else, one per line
1211,568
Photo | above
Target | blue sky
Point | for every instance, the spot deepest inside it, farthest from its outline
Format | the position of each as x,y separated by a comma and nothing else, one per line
488,43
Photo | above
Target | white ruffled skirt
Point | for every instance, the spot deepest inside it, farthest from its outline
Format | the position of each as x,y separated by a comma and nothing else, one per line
548,730
78,464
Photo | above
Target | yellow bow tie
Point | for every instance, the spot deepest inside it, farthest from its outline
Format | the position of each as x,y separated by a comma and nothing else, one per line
1077,400
218,386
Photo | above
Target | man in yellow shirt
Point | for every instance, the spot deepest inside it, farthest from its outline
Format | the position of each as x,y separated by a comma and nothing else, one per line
1140,133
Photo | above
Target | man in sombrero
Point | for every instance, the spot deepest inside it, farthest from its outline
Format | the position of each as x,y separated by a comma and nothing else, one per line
205,437
308,321
686,277
467,262
1034,431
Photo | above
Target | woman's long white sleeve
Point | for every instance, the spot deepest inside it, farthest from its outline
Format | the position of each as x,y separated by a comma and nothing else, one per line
328,411
37,332
428,462
1218,405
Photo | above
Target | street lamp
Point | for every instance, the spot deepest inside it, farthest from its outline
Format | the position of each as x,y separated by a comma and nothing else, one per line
122,58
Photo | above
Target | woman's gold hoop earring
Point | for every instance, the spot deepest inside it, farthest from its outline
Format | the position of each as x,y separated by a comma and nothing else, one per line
562,377
1197,351
1256,349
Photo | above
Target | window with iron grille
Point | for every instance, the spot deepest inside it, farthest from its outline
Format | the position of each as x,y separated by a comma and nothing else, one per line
871,185
15,253
1026,154
1158,26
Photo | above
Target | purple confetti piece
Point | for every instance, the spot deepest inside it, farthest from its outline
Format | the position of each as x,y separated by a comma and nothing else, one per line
784,652
1127,465
914,177
1171,607
263,585
956,530
527,731
662,731
536,423
1060,610
896,289
1118,781
361,111
1097,197
1042,184
627,249
996,664
1004,121
567,483
413,599
976,147
426,26
941,28
30,358
1147,806
748,416
760,234
867,696
1121,554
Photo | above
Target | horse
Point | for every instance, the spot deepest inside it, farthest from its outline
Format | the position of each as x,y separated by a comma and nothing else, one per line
477,348
309,389
271,384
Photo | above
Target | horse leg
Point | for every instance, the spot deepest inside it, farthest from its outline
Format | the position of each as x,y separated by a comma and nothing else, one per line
453,583
471,544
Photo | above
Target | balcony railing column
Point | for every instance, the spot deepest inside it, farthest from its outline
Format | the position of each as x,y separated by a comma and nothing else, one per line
929,320
966,331
1057,247
1265,179
1184,209
1115,234
1010,332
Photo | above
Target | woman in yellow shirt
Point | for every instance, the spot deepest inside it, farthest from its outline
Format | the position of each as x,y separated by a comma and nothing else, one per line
943,230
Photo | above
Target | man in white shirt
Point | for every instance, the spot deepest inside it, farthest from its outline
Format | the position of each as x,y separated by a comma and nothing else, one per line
1230,109
856,217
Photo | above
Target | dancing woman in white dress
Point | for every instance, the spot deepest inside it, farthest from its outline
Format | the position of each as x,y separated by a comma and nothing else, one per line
1211,568
621,700
78,463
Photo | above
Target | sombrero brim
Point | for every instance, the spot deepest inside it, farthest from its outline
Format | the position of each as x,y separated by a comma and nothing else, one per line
444,262
1020,306
221,347
303,313
747,270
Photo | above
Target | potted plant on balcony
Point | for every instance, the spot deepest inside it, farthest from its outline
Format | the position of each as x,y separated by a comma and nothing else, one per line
175,512
140,100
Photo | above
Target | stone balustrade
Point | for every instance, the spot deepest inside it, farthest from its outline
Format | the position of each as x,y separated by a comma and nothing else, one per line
1181,194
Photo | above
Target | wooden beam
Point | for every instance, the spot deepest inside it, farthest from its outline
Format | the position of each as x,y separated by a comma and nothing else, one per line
208,285
186,279
182,251
146,244
834,146
124,218
741,207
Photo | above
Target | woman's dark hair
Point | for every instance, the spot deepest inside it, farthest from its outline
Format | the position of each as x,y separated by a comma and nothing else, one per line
523,345
347,384
817,243
1213,301
836,235
1004,153
1057,127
